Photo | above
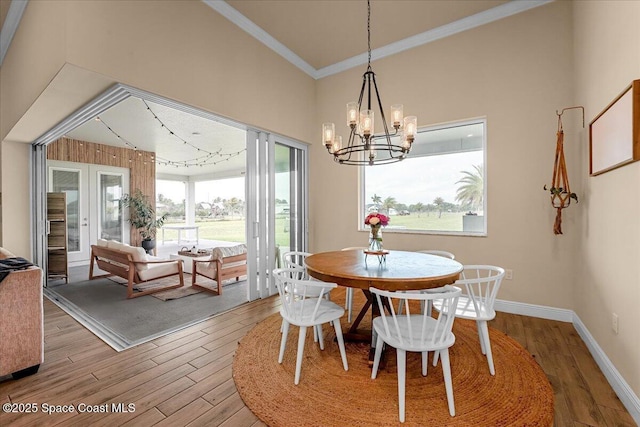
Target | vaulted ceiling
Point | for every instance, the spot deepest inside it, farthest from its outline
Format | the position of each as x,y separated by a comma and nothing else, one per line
321,37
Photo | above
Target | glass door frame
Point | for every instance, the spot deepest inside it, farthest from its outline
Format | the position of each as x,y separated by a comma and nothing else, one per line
81,170
260,195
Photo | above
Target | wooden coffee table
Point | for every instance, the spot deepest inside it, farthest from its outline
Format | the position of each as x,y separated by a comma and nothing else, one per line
187,257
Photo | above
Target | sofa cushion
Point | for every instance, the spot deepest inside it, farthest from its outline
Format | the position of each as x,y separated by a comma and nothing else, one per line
21,321
220,253
227,251
137,254
158,270
114,244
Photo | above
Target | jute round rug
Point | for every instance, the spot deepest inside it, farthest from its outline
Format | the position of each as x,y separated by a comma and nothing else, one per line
518,395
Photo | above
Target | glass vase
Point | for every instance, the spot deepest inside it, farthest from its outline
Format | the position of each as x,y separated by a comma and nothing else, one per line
375,238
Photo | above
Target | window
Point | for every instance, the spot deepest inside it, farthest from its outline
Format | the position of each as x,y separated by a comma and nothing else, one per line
439,188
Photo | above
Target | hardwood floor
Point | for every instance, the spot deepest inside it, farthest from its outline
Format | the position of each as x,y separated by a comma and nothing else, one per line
185,378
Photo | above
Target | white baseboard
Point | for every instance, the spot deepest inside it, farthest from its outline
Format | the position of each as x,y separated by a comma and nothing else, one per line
619,385
617,382
540,311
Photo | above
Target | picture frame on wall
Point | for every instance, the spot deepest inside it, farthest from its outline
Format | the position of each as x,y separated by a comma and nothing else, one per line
614,134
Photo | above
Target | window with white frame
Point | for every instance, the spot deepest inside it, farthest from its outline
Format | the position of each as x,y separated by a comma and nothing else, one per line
439,188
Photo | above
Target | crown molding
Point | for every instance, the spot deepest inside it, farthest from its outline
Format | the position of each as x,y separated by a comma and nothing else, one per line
244,23
507,9
17,8
10,25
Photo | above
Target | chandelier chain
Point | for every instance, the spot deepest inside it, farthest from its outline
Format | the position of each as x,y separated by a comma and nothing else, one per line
369,31
364,146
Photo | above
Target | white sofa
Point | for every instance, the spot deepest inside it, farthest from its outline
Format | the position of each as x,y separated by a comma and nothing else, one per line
134,265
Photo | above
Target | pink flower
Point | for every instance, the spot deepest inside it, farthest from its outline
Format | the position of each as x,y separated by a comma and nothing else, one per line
376,218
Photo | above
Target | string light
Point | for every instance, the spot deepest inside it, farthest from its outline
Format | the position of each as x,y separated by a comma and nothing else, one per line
127,143
197,161
209,158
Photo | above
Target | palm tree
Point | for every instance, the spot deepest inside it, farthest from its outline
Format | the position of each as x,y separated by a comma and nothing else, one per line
439,203
376,200
233,205
418,207
389,203
471,193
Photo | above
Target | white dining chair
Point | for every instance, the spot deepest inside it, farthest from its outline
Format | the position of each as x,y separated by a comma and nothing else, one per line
436,252
416,333
295,260
304,305
480,284
348,302
444,254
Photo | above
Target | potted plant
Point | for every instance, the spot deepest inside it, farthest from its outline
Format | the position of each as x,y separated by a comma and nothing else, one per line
143,217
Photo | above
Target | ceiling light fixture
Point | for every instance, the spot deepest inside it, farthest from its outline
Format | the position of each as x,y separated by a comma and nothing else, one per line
375,149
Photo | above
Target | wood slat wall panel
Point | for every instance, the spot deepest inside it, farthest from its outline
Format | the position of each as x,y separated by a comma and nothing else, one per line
141,164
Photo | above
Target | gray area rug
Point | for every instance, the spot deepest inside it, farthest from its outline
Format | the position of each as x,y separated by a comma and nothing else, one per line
103,307
170,294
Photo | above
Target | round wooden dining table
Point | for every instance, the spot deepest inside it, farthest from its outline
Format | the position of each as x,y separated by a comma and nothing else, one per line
400,270
395,271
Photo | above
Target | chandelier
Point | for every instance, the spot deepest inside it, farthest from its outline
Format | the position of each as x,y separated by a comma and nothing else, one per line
376,149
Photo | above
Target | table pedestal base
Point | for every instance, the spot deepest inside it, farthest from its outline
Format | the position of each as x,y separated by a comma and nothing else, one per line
362,335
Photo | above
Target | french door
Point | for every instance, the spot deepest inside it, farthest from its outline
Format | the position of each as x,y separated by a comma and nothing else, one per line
93,208
276,205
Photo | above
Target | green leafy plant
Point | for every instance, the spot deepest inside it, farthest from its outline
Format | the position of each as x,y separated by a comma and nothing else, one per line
142,215
561,191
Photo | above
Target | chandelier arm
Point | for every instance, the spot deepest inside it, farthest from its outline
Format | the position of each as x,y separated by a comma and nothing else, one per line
384,119
369,74
364,85
350,147
368,143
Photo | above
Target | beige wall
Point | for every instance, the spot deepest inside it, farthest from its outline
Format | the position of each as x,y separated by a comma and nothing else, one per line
36,54
516,72
222,69
607,59
16,187
66,52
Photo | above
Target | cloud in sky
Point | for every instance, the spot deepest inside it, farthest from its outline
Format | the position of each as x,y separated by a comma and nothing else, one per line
420,180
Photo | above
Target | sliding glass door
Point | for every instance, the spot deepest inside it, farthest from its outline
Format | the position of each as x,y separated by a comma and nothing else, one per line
276,205
289,198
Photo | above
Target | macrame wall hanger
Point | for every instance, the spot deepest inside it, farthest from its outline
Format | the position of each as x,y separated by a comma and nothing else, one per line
561,194
571,108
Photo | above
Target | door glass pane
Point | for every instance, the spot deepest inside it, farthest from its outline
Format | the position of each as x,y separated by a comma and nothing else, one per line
288,186
69,182
110,213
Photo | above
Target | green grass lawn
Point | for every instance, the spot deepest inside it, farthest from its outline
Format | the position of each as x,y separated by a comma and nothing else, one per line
228,230
233,230
449,221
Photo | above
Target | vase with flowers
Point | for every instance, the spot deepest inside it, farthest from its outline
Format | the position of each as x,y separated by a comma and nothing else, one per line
376,221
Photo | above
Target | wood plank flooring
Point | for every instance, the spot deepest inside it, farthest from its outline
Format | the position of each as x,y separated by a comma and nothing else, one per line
185,379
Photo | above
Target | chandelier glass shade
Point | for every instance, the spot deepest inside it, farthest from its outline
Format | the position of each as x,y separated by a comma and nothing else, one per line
364,146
